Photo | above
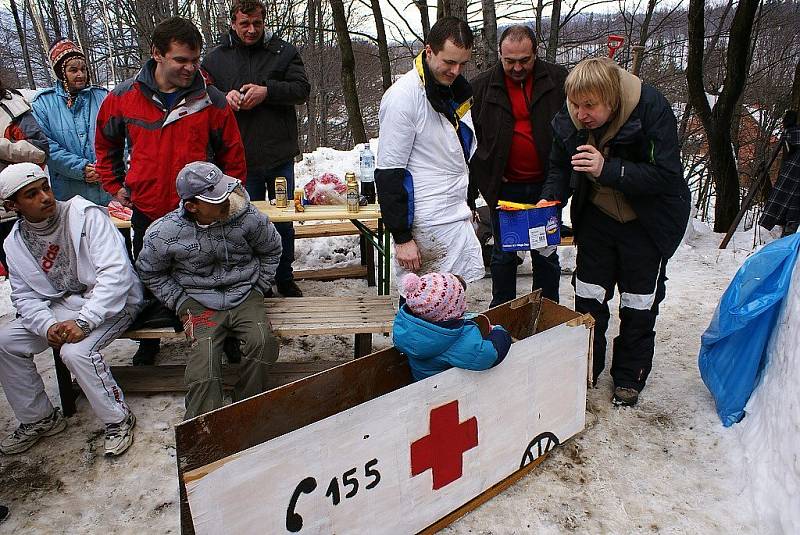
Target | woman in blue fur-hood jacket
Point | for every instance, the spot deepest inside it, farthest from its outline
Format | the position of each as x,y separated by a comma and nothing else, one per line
430,328
67,114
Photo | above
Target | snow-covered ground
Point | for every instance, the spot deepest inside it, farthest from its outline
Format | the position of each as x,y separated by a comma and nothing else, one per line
667,465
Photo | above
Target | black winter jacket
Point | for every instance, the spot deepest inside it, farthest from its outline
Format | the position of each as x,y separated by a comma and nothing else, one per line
269,131
646,146
494,124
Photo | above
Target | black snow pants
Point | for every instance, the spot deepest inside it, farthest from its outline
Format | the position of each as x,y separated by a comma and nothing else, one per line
612,254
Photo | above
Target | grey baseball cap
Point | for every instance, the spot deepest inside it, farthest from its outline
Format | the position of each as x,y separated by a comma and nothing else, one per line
206,182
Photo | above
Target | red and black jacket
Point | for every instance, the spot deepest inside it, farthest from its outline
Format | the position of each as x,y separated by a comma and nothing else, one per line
199,126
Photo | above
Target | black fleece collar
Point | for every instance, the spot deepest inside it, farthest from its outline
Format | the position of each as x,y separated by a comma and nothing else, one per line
440,96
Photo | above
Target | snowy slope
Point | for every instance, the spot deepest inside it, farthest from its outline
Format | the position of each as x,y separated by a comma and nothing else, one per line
666,466
770,430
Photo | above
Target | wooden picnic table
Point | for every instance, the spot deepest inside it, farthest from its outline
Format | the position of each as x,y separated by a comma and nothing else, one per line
377,236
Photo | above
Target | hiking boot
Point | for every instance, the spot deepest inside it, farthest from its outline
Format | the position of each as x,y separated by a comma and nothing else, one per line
289,289
146,354
625,397
26,435
119,437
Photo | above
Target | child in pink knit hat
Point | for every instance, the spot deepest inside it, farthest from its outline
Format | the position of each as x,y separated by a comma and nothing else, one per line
430,328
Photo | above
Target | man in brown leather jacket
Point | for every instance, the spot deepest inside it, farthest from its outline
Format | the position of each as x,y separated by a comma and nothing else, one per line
514,103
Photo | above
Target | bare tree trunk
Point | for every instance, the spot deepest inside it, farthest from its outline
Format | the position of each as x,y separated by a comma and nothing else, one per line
205,23
489,33
222,17
26,58
42,37
638,53
552,42
354,118
794,103
54,22
717,122
383,46
312,59
422,6
452,8
538,19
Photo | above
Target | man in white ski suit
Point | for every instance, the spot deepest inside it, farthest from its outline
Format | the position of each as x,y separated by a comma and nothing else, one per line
426,140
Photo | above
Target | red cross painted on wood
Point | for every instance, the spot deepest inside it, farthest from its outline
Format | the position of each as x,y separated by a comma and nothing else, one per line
442,449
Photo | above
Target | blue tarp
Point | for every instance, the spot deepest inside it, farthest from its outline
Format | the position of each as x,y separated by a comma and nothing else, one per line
733,349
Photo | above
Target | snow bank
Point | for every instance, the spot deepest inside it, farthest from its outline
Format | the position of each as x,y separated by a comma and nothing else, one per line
769,432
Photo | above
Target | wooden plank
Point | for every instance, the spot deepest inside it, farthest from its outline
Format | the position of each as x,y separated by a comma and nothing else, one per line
170,377
322,230
317,213
303,330
331,315
331,274
339,298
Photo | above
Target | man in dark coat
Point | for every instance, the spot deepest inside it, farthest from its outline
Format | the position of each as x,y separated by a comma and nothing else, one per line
264,79
514,103
615,145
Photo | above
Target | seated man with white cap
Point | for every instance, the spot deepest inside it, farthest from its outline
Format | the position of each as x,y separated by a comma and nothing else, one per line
212,261
74,289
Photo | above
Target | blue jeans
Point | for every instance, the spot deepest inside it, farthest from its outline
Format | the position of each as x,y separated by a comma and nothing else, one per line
259,182
546,269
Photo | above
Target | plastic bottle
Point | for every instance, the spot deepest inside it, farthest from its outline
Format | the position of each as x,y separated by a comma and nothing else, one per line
366,162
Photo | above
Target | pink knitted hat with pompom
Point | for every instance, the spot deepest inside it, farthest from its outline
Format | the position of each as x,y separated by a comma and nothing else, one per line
435,296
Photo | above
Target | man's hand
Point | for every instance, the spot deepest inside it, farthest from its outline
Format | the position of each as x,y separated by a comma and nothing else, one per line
253,96
71,332
54,336
234,99
124,197
90,174
64,332
588,160
407,255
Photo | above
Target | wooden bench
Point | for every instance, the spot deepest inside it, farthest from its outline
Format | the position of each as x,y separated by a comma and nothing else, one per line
360,316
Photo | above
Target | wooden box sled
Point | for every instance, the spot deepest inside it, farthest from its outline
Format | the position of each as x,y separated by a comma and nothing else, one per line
360,448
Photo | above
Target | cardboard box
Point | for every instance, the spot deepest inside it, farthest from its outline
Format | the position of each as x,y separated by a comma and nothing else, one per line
535,228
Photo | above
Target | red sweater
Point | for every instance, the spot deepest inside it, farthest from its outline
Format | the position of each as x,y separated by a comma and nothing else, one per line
523,160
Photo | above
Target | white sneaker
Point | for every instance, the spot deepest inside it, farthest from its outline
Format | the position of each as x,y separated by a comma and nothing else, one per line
26,435
119,437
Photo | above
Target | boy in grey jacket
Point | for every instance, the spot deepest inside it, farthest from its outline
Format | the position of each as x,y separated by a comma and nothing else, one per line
212,260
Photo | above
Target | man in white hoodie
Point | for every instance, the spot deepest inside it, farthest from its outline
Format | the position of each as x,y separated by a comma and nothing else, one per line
426,140
74,289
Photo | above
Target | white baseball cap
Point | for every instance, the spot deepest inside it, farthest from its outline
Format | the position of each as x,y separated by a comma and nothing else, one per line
16,176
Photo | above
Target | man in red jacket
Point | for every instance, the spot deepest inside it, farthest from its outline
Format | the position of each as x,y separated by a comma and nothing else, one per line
515,101
168,117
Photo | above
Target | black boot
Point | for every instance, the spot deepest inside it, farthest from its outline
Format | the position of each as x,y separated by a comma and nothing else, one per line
146,354
289,289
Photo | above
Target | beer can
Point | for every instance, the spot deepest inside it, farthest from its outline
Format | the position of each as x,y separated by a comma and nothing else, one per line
281,195
352,192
